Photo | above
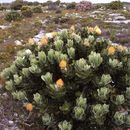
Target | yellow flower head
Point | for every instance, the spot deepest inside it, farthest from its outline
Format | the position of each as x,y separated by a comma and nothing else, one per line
72,28
97,30
90,30
60,83
111,50
31,41
63,64
86,42
29,107
43,41
54,34
120,48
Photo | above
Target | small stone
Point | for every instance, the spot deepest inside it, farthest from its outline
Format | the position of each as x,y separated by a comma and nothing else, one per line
18,43
5,95
15,114
11,123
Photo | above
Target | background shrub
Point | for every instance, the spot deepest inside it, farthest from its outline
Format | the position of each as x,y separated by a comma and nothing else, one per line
26,11
71,5
13,16
84,5
115,5
2,8
38,23
17,4
58,11
37,9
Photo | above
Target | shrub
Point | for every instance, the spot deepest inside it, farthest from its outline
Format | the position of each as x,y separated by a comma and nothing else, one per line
13,16
38,24
37,9
58,11
115,5
84,5
26,11
76,80
17,4
71,5
2,8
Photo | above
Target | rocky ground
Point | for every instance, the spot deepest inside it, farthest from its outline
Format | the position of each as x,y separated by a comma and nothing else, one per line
9,118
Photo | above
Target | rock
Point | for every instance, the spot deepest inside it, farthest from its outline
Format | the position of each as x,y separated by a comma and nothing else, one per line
118,21
44,22
16,114
120,18
4,26
5,95
97,12
115,14
18,43
109,19
39,36
11,123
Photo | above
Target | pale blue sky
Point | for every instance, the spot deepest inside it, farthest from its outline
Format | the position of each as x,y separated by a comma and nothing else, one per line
93,1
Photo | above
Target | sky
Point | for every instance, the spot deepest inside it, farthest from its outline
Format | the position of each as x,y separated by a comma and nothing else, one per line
93,1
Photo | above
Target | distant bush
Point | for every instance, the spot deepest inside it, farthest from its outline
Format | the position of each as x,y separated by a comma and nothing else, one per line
60,19
84,5
13,16
2,8
98,6
37,23
115,5
58,11
16,5
71,5
37,9
26,11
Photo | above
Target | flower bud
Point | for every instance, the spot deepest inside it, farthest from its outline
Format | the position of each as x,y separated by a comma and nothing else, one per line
65,125
51,53
105,80
47,78
71,52
114,63
119,118
119,99
37,98
19,95
9,85
17,79
42,57
95,59
59,45
25,72
79,113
